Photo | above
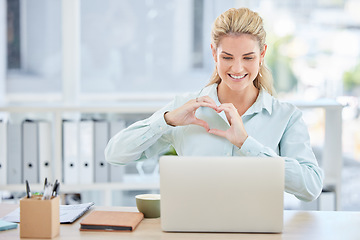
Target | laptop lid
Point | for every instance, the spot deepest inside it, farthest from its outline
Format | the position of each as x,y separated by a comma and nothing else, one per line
222,194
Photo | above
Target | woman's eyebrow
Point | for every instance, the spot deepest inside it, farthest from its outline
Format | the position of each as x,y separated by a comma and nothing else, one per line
226,53
249,53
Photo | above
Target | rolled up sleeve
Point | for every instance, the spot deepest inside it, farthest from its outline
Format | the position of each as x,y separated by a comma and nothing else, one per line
303,176
142,139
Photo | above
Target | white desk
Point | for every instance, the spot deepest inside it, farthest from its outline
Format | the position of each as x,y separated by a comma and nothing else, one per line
298,225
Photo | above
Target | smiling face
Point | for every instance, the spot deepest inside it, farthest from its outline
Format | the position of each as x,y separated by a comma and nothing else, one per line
238,58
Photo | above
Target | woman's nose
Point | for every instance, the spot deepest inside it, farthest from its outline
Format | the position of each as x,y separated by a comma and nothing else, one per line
237,66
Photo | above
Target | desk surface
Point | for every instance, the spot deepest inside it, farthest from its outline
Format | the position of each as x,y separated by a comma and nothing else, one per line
297,225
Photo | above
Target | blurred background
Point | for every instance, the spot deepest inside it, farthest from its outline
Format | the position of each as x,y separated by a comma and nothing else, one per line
124,50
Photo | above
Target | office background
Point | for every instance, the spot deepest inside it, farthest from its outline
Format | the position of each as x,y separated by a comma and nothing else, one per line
122,51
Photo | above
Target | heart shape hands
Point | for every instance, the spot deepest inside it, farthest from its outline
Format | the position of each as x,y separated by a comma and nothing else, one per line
185,115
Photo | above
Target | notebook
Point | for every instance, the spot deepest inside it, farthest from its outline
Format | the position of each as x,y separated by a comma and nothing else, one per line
111,221
68,213
221,194
4,225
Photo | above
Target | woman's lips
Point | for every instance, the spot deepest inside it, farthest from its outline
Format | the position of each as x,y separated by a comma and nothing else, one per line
237,77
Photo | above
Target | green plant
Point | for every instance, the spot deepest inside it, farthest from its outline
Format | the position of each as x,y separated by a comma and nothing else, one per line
280,63
171,151
351,78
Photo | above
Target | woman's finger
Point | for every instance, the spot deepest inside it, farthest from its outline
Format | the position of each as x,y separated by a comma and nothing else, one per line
230,111
227,107
202,123
210,105
218,132
206,101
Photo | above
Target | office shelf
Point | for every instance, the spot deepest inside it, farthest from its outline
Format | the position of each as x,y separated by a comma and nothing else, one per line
57,111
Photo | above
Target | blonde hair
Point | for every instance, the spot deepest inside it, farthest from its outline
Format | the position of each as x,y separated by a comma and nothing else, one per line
242,21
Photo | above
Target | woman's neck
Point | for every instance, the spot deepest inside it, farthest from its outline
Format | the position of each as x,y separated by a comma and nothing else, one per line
242,100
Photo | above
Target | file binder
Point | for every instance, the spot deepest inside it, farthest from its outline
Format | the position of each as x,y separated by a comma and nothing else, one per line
30,151
101,132
45,149
3,152
14,156
117,172
70,152
86,151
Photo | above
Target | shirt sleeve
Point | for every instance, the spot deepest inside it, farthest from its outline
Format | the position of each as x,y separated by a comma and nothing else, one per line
143,139
303,176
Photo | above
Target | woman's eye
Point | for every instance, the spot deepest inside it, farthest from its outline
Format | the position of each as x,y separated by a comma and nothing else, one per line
248,58
227,58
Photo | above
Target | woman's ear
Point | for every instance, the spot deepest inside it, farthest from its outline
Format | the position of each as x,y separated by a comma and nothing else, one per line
262,54
213,50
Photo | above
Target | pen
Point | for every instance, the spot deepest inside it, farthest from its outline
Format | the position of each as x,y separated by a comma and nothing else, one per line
28,193
56,189
47,192
45,183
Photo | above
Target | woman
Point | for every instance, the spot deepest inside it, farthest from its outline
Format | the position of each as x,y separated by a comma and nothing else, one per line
234,115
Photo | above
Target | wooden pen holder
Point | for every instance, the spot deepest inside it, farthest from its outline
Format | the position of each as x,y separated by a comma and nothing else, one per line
39,218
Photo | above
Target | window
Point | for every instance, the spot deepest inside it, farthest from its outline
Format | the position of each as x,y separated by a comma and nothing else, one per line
13,35
155,48
33,47
198,56
142,47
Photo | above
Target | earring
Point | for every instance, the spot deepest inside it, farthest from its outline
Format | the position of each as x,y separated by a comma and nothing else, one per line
261,63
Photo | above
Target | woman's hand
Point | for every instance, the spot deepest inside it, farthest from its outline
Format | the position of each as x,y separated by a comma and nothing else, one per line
185,114
236,134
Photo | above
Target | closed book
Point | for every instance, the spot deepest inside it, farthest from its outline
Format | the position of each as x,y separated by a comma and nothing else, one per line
111,221
4,225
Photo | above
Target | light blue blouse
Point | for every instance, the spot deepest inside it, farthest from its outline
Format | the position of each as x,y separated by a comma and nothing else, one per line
274,129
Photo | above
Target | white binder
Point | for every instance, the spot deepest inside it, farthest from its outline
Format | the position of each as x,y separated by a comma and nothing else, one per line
86,151
14,150
70,152
3,152
30,151
117,172
45,150
101,138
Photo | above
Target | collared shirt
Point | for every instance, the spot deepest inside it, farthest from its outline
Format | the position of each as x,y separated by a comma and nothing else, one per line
274,129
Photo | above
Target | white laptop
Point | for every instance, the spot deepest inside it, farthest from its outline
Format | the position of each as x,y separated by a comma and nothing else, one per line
222,194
